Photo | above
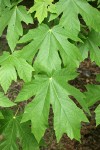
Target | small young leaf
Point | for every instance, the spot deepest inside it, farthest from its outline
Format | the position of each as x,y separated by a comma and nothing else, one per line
92,94
97,111
91,44
41,8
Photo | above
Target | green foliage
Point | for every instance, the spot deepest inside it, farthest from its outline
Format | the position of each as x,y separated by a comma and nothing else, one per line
9,65
71,21
53,90
1,116
91,44
97,111
48,58
98,77
16,133
93,94
46,43
12,18
4,101
41,7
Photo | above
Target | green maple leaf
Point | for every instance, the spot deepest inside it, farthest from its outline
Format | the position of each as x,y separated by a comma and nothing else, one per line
71,9
4,101
48,58
92,94
41,8
13,131
97,111
12,18
9,65
56,91
91,44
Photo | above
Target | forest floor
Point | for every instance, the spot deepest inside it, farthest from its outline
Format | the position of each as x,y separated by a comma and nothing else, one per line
90,134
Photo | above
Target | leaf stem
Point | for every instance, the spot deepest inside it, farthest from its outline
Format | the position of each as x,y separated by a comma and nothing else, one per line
16,112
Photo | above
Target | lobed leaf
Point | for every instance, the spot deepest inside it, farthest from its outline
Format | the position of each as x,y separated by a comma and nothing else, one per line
9,65
13,18
41,9
71,9
56,91
48,59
